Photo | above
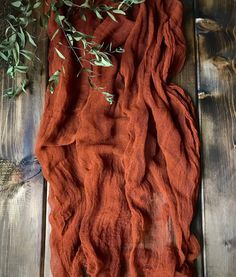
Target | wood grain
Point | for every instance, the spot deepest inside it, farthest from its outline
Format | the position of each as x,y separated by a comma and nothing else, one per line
21,182
187,80
216,41
47,269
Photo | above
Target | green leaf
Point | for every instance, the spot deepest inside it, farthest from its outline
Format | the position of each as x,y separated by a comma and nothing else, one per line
26,56
112,16
119,50
119,12
83,17
26,51
54,80
15,56
10,92
98,14
17,49
60,54
55,76
10,26
12,38
55,33
63,69
3,56
109,97
12,17
24,85
22,37
37,4
24,20
51,89
70,39
59,19
21,69
16,4
68,3
77,37
92,85
28,13
102,62
31,40
10,70
53,6
85,4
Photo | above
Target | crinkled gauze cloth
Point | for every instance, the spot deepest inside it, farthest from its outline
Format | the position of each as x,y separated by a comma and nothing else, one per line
123,177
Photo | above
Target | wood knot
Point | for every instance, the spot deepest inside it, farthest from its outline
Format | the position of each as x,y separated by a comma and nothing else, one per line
203,95
205,25
221,62
13,176
229,244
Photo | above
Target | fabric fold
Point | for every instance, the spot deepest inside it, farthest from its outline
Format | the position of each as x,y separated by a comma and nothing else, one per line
123,177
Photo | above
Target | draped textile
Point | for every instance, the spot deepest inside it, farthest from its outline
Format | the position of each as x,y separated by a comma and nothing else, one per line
123,177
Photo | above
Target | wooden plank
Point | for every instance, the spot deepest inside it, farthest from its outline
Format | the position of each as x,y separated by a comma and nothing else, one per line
22,190
216,40
187,80
47,269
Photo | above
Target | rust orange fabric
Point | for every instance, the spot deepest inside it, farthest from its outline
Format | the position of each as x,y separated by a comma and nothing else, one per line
123,177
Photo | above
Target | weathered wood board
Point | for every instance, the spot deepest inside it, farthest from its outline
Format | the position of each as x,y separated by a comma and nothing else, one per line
22,188
187,80
47,269
216,52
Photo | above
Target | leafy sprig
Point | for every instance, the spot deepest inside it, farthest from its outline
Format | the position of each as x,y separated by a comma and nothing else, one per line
15,53
13,47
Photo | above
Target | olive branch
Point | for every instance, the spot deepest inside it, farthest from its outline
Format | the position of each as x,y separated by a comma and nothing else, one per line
15,53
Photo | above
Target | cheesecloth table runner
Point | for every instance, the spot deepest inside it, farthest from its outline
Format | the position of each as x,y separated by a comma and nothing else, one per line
123,177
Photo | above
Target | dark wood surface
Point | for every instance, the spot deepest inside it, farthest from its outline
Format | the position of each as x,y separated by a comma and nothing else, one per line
187,79
22,187
216,52
208,77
